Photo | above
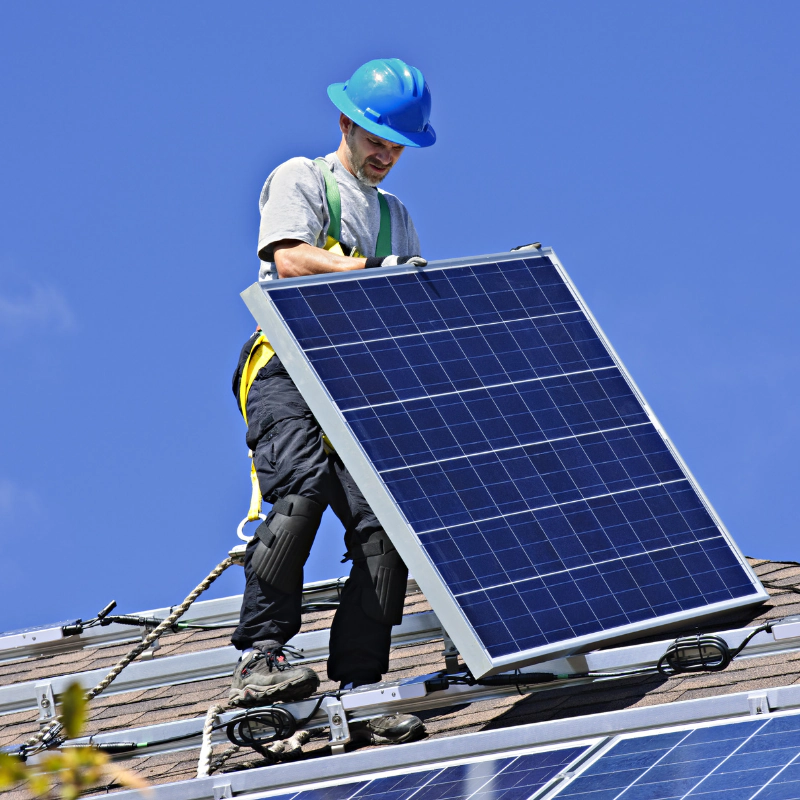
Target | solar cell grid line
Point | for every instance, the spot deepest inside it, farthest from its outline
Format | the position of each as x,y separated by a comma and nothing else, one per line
509,455
741,760
503,777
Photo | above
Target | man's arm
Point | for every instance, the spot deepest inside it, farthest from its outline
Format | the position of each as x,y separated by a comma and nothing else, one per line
294,258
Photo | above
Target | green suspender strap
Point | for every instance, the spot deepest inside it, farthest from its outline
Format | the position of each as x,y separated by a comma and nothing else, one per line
384,245
334,200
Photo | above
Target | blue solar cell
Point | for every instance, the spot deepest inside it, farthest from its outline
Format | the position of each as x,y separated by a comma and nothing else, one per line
508,778
515,447
341,792
396,787
736,761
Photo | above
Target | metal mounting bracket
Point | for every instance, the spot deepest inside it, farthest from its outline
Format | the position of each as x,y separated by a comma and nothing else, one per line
337,719
46,701
151,651
759,703
450,654
222,790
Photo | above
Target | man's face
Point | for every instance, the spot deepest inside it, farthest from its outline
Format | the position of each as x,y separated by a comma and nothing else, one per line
371,157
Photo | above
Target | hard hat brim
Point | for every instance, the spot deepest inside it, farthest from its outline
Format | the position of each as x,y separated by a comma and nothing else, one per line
407,138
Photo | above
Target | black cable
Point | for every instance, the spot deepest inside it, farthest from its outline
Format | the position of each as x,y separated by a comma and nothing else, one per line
197,626
261,726
113,748
703,652
105,618
322,605
153,622
699,653
277,721
765,628
687,654
518,679
314,710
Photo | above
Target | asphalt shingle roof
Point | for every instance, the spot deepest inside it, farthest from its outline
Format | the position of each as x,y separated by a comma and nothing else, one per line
116,712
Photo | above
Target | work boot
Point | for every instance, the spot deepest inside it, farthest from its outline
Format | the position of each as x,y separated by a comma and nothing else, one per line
264,676
389,729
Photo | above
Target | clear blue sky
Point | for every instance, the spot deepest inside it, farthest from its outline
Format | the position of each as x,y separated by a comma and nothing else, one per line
653,145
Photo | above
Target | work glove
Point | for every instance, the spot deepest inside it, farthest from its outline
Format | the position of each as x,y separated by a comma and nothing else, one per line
393,261
531,246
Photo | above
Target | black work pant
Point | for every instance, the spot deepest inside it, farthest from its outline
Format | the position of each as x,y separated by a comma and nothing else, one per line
290,459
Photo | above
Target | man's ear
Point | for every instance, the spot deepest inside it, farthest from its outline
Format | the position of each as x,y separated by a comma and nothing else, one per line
345,123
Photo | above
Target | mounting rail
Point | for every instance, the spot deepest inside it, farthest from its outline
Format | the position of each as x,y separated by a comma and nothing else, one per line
225,610
422,693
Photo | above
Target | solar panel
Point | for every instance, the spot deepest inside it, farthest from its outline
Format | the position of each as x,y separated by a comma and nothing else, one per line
735,761
510,457
513,777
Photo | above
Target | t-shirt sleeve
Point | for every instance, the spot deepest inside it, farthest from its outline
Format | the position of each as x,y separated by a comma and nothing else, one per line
293,206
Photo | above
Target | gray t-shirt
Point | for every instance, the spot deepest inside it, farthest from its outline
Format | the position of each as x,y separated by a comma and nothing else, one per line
293,206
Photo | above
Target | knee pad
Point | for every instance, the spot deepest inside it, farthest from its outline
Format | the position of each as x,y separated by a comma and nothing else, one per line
383,587
284,541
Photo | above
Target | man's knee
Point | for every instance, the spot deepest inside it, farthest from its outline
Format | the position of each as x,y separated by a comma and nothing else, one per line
284,541
381,576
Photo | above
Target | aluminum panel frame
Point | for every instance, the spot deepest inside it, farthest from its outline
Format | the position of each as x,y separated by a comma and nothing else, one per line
454,621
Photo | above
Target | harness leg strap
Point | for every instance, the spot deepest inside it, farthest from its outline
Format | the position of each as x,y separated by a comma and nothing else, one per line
382,575
284,539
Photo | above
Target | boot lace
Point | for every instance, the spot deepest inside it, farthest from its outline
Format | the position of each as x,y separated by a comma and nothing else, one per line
275,659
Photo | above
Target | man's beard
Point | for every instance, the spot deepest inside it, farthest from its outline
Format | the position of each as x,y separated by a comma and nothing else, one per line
358,164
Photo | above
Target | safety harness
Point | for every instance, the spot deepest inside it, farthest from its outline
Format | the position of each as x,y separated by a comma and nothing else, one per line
260,353
383,247
261,350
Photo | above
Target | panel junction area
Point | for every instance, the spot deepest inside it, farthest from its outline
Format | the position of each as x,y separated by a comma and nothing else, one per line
507,452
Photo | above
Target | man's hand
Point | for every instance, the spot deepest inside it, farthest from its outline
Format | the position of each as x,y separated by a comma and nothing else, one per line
531,246
393,261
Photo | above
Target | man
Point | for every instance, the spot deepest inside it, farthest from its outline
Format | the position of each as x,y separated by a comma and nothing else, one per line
325,216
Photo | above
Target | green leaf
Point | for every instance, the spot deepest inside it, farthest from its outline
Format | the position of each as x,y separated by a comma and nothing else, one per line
73,710
39,784
12,770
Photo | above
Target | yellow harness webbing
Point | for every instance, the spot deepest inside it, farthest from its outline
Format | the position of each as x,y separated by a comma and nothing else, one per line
335,246
260,354
254,512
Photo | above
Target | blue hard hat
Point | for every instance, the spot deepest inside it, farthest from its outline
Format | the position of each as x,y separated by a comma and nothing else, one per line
388,98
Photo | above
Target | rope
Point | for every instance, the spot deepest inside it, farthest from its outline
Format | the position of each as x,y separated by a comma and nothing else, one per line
140,648
156,632
223,757
205,765
204,761
296,742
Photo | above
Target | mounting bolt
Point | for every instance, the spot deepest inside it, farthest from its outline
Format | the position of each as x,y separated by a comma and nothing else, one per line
46,701
450,653
337,719
758,703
